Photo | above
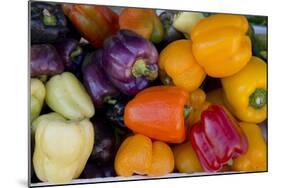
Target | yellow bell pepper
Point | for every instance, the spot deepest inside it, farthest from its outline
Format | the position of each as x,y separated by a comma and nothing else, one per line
177,64
68,97
62,147
37,98
186,160
255,159
220,44
246,92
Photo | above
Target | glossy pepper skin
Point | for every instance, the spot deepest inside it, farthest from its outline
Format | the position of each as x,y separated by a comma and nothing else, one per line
96,82
255,159
48,23
220,44
145,22
179,67
66,95
138,154
158,112
246,92
95,23
217,139
38,93
45,60
62,147
130,61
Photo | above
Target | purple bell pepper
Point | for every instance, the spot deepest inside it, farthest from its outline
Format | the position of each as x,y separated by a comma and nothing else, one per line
45,60
130,61
97,84
72,55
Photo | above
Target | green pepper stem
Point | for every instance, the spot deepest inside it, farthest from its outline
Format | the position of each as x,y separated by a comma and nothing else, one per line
140,69
77,51
258,98
186,111
48,18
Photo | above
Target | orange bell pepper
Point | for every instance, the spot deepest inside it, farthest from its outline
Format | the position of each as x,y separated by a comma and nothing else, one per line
158,112
138,154
145,22
220,44
178,64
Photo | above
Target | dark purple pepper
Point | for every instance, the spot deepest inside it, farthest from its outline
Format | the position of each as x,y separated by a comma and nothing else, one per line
97,84
45,60
48,23
71,54
104,146
130,61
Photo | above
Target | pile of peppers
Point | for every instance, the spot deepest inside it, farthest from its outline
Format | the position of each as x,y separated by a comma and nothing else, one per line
145,92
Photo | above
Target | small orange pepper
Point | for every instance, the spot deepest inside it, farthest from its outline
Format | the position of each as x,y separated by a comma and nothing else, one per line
139,155
159,113
198,104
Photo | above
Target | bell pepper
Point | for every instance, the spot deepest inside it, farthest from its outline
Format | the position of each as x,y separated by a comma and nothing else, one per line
246,92
95,23
97,84
255,159
45,60
104,150
48,23
217,138
159,113
38,93
178,66
72,55
145,22
130,61
62,147
220,44
68,97
138,154
185,21
198,104
186,160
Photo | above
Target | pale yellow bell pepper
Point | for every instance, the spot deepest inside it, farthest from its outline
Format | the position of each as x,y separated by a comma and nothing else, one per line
68,97
62,147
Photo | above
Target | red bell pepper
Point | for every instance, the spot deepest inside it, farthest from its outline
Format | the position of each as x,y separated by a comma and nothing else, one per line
217,139
95,23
